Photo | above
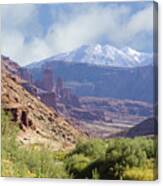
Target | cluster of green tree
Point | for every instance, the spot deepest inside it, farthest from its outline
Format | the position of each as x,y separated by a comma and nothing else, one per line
114,159
122,158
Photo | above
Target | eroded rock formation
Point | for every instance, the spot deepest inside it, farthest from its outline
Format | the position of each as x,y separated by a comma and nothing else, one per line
40,124
47,81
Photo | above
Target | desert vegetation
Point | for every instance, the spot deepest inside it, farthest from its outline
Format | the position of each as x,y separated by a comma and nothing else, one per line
122,158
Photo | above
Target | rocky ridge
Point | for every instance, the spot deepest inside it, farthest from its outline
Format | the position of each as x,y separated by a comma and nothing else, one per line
40,124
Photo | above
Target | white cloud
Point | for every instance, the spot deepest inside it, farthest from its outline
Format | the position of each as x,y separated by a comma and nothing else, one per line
88,26
81,26
19,23
141,21
22,52
21,18
85,27
130,32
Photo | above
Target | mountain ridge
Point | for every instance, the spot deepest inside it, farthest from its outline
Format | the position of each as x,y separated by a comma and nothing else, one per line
102,55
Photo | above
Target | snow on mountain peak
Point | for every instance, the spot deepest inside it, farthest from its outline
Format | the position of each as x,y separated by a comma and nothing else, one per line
139,57
105,55
130,51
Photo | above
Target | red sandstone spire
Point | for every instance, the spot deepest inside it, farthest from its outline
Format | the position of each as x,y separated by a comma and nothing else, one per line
47,79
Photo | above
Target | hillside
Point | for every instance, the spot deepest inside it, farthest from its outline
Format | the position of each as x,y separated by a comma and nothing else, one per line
145,128
40,124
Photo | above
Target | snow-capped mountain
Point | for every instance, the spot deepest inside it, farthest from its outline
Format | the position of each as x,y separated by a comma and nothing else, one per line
102,71
104,55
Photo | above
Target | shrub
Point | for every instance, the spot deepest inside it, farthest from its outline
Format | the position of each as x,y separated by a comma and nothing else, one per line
122,153
93,148
21,162
76,165
149,145
95,158
139,174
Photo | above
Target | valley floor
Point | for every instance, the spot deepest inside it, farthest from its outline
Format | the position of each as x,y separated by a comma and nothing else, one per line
106,129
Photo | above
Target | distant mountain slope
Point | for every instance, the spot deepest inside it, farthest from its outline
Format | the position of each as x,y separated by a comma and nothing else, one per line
145,128
103,55
40,124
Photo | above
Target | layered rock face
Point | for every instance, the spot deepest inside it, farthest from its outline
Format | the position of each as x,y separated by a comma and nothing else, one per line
115,109
40,124
87,115
91,108
104,81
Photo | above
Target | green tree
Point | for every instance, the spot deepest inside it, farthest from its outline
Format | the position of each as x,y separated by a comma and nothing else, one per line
75,165
93,148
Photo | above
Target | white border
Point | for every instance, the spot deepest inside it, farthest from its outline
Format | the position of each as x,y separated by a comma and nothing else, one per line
54,182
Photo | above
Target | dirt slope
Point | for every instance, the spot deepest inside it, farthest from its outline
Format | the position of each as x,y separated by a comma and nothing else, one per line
40,124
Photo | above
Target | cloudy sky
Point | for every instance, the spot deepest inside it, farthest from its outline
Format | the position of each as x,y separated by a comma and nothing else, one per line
31,32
